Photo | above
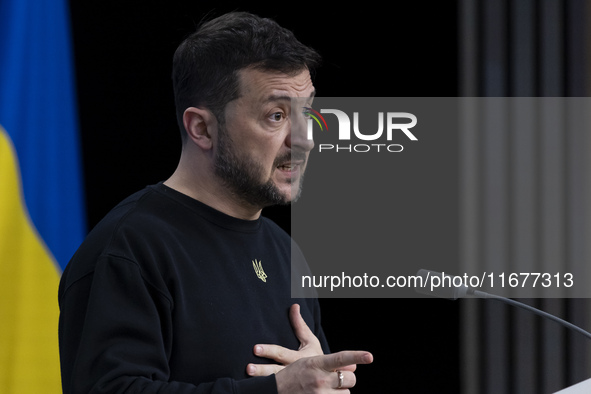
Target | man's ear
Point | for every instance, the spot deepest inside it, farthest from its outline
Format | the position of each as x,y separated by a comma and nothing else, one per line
199,124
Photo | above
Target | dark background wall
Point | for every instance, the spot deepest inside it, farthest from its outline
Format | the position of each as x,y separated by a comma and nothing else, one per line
123,54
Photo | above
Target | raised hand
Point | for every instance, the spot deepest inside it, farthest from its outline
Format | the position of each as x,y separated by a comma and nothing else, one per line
309,346
308,370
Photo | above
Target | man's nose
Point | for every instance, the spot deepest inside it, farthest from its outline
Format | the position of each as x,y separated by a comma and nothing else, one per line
298,136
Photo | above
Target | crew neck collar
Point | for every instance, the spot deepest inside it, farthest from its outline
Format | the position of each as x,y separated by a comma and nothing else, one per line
211,214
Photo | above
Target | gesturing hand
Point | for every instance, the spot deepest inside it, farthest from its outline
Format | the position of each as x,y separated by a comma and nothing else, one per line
307,370
320,374
309,346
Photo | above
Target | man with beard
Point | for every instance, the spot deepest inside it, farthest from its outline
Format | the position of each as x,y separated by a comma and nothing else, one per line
184,287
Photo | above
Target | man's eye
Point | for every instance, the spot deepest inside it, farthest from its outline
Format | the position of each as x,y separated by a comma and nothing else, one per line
277,116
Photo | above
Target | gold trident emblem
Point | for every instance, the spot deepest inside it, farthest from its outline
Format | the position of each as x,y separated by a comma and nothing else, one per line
258,269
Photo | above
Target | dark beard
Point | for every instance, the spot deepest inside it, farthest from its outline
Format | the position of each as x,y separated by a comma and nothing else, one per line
242,175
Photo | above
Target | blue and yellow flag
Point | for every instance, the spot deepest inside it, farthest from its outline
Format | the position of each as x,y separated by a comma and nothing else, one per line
41,200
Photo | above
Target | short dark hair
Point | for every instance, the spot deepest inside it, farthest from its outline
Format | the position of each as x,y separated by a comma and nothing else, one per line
206,64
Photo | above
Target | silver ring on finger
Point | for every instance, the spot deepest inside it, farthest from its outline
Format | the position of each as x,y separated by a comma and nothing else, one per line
341,379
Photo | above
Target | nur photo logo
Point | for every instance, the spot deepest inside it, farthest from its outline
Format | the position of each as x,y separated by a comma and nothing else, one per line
389,125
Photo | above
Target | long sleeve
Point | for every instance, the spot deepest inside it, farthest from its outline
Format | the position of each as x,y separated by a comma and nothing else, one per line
162,297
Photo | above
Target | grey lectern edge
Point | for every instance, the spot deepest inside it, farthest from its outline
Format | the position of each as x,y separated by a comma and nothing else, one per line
583,387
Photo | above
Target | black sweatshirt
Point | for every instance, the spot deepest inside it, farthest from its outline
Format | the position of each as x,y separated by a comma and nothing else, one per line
163,297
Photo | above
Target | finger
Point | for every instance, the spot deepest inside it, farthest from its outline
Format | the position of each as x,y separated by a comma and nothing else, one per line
348,379
334,361
263,369
300,328
275,352
351,368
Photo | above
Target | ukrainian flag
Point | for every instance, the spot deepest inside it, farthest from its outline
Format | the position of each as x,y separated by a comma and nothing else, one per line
41,200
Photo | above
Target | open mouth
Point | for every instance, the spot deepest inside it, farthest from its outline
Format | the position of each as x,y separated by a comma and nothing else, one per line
287,167
290,166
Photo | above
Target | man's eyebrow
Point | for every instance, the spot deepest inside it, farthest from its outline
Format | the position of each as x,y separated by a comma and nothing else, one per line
282,97
275,97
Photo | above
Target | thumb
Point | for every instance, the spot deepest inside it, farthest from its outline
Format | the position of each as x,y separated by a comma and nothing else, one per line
300,328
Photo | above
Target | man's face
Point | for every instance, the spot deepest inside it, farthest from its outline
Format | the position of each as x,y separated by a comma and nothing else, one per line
262,149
